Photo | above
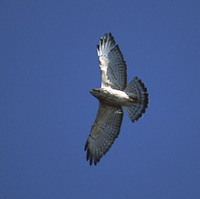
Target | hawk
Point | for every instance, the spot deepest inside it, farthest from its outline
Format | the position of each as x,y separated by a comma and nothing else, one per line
114,97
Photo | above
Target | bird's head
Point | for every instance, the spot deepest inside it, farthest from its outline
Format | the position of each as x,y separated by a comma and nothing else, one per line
97,92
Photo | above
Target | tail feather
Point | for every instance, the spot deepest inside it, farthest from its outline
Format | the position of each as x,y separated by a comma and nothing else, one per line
137,89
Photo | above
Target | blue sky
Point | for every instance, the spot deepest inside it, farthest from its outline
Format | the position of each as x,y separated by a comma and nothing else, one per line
48,65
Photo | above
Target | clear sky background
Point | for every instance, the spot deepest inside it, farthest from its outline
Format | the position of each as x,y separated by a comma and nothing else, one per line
48,65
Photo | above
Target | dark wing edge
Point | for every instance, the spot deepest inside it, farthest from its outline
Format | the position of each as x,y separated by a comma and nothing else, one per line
105,130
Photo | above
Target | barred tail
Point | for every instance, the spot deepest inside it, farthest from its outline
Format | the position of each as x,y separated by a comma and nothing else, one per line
136,89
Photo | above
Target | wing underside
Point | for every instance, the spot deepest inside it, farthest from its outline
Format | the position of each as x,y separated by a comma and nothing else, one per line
104,131
112,64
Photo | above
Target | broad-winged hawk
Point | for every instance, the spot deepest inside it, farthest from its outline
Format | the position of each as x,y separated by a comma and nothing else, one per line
114,96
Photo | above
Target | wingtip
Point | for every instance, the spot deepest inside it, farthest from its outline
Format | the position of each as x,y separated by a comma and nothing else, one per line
86,146
107,40
91,158
101,41
88,154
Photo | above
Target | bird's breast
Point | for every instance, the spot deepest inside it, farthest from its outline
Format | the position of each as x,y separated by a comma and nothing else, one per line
114,97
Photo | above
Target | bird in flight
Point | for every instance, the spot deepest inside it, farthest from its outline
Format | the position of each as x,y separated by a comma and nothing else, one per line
114,96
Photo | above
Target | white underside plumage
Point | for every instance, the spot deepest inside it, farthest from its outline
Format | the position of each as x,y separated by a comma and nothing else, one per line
112,96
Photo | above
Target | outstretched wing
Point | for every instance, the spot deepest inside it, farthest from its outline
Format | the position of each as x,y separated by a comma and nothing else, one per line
112,64
104,131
